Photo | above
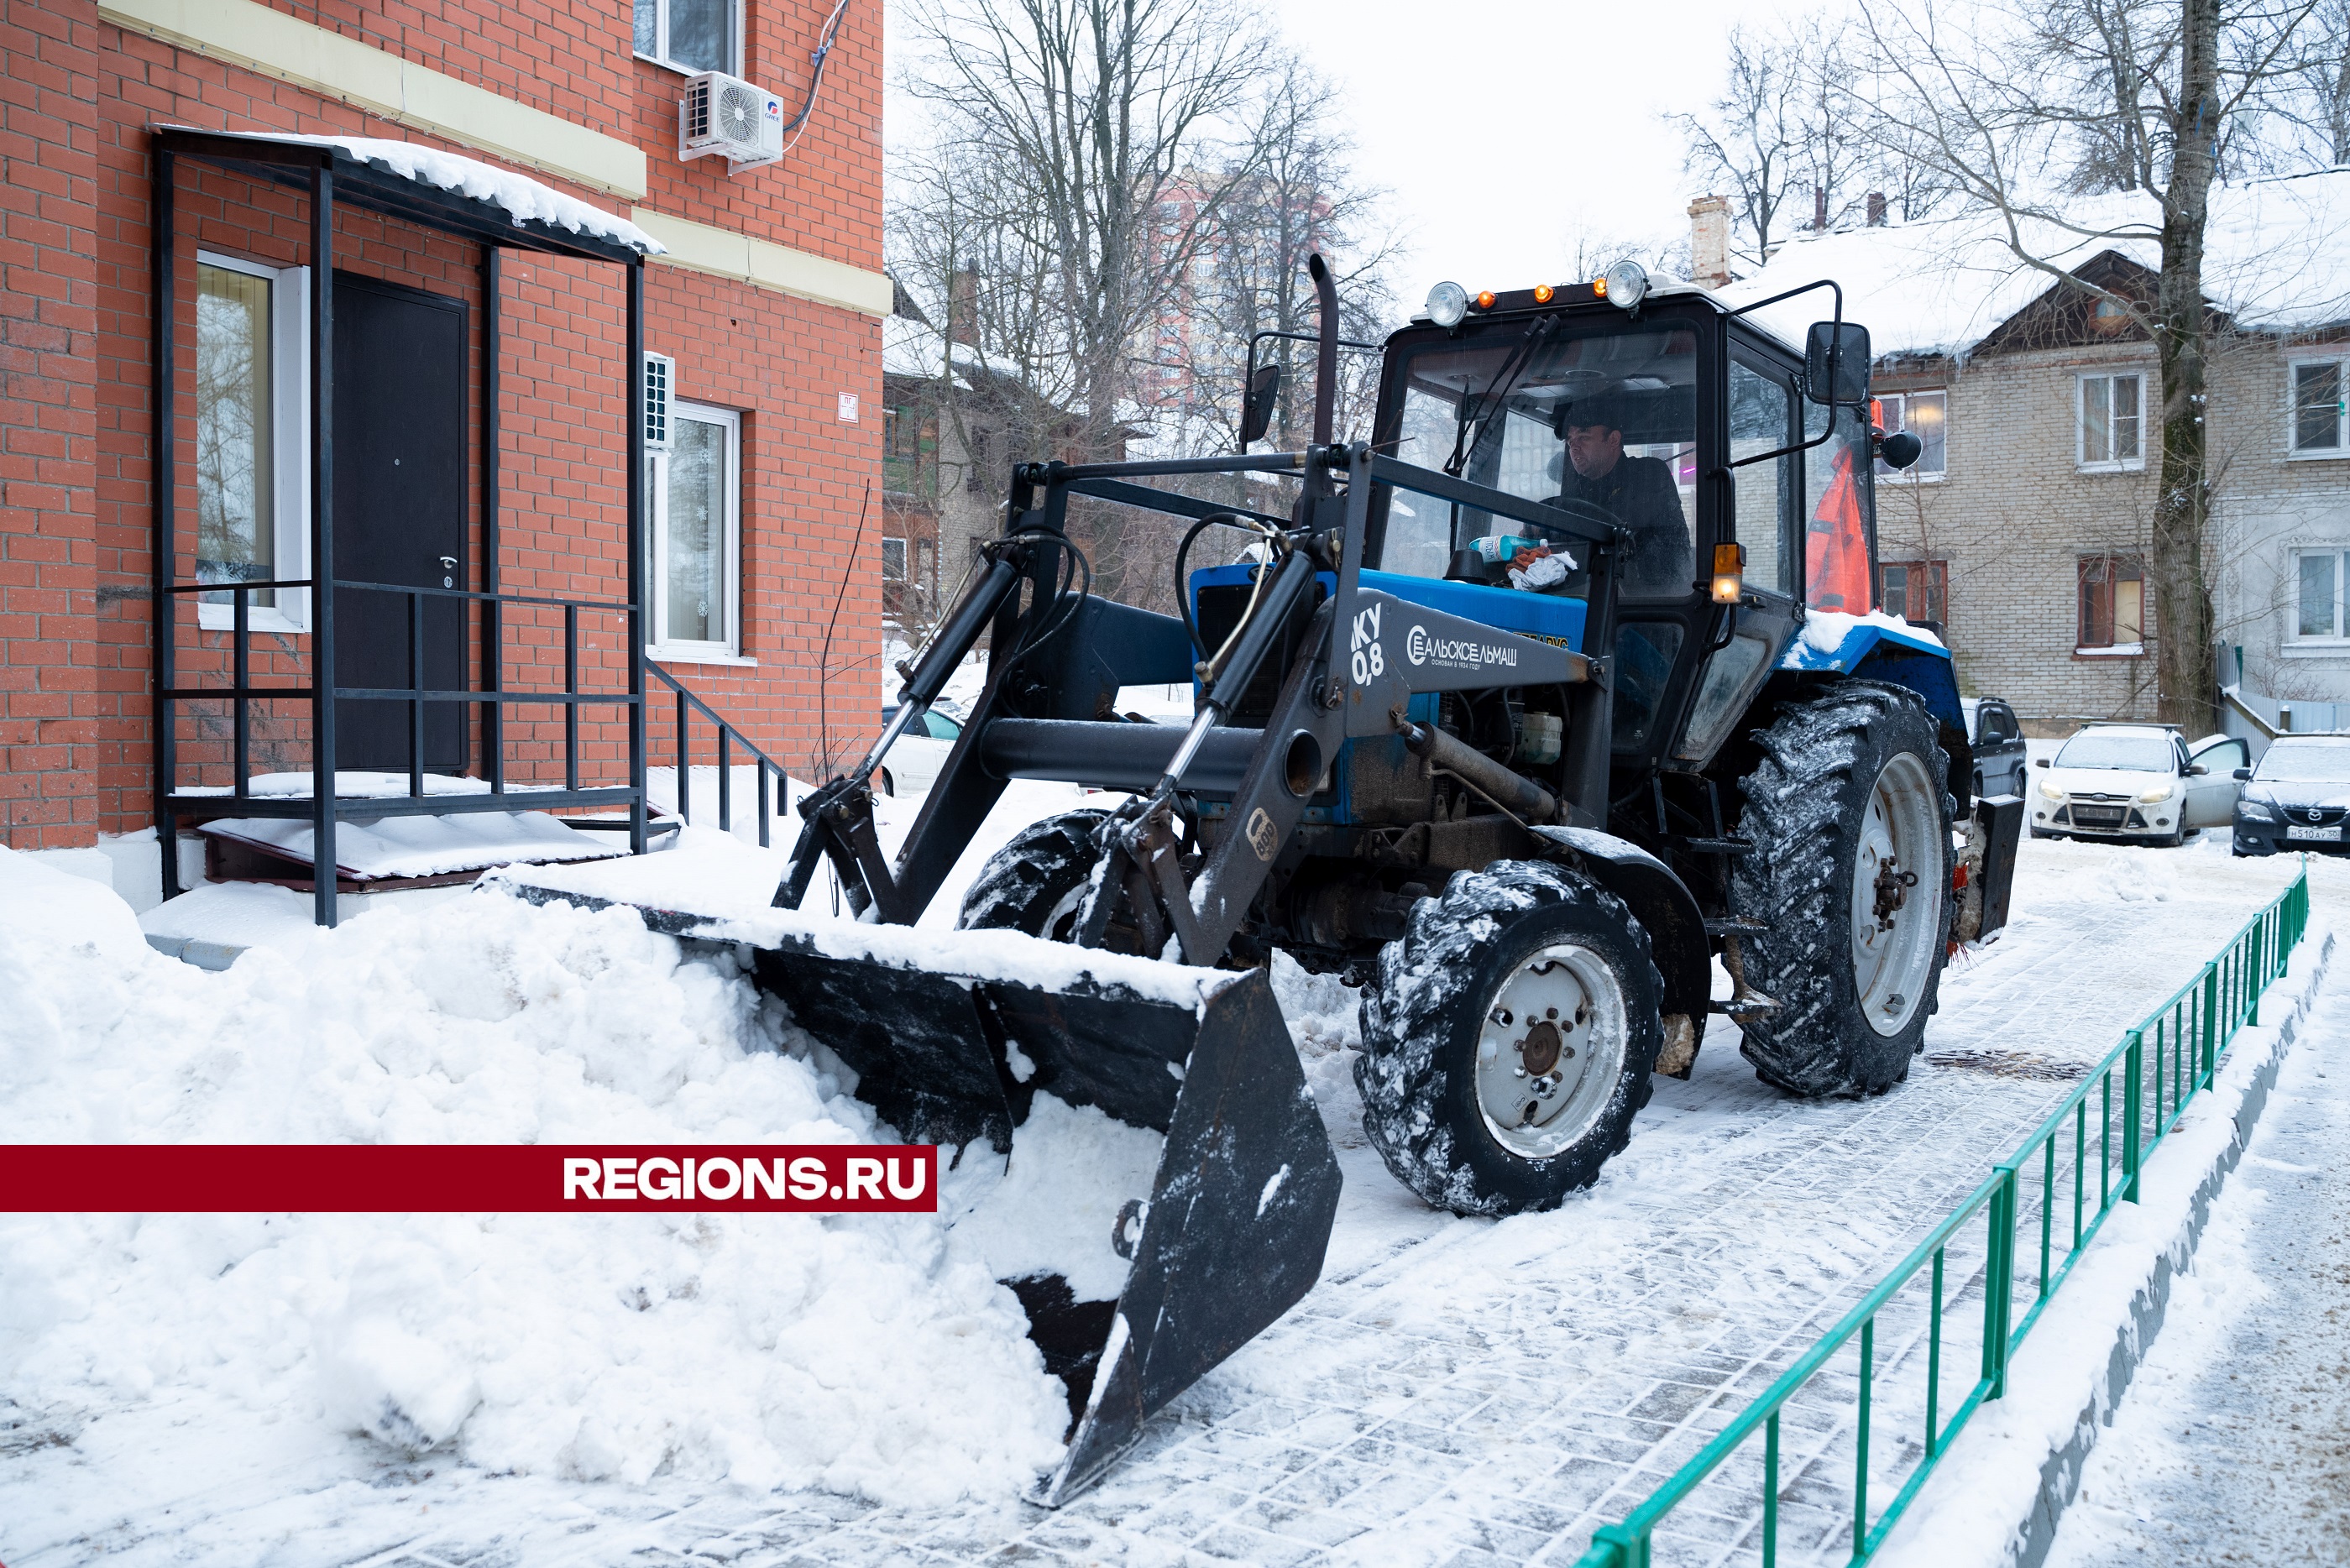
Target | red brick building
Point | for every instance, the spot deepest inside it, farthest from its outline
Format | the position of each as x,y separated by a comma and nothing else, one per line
478,392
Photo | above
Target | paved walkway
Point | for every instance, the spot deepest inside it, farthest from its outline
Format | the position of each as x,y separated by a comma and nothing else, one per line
2233,1444
1453,1392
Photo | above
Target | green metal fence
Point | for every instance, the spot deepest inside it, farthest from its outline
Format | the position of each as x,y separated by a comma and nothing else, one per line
2036,1214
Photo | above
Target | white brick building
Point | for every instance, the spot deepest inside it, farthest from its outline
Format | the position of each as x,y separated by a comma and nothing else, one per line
2025,527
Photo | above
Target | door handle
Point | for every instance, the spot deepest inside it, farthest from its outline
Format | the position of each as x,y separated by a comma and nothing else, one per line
448,571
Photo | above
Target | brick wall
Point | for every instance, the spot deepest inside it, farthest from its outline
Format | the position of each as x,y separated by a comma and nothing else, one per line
49,685
76,740
2015,512
2012,516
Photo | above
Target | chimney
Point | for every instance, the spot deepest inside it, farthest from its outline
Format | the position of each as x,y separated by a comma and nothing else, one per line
1819,209
1877,208
1710,242
963,308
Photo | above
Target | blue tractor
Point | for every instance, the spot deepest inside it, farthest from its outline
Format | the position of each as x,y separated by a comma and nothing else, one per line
1517,715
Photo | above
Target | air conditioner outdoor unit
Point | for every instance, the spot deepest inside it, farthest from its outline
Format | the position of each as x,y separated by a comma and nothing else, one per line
725,114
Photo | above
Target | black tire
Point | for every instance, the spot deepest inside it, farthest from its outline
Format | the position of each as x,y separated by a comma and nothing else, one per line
1423,1019
1808,806
1030,885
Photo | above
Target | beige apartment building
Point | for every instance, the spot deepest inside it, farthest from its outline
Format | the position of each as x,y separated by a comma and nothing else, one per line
2025,527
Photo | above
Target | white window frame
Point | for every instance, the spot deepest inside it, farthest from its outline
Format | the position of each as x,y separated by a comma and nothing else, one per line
2294,451
733,68
289,445
2081,458
901,575
2337,640
1915,473
729,649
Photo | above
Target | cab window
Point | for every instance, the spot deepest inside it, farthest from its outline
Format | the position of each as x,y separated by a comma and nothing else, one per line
1762,419
1600,422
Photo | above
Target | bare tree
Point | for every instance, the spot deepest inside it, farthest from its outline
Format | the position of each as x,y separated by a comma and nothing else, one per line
1783,139
1251,277
2023,105
1063,175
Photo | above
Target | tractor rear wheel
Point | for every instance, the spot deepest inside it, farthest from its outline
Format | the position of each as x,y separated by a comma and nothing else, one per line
1508,1040
1034,883
1850,871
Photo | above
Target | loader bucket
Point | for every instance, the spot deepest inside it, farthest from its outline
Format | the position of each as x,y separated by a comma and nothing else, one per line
1239,1209
1241,1205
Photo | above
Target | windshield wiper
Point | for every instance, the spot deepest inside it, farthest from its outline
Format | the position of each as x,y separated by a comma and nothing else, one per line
1497,395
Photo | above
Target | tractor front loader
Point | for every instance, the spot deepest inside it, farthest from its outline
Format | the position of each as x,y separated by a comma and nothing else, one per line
1562,686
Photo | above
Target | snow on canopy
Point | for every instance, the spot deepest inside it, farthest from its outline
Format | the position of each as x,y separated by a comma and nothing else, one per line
2277,260
526,200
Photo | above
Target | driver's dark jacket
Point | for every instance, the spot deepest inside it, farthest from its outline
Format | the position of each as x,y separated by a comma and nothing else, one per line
1639,492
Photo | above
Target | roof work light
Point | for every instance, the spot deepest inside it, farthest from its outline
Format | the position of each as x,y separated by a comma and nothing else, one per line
1447,304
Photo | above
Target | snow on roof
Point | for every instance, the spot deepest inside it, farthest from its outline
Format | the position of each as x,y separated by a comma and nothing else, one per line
2277,259
526,200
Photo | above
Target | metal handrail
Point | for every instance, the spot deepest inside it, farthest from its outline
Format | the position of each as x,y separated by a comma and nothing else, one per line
2189,1031
728,738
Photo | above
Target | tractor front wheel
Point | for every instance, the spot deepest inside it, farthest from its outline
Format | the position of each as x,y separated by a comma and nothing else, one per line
1850,874
1034,883
1508,1040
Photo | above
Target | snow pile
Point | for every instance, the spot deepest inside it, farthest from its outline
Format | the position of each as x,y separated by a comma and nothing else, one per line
1826,630
869,1355
526,200
1050,1209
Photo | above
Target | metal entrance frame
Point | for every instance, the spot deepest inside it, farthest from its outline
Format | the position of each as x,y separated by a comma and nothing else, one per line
330,174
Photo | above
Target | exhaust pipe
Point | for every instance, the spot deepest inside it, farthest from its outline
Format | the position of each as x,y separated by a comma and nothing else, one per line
1325,353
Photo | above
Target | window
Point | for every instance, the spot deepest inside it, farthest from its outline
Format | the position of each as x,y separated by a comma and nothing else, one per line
893,560
696,543
691,35
2320,580
2319,409
252,438
1761,420
2112,603
926,565
1915,590
1925,416
2112,422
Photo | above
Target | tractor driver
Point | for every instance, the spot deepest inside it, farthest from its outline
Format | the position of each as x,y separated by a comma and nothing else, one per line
1638,492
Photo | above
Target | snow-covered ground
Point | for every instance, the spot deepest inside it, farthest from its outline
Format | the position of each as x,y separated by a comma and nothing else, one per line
1454,1390
2233,1443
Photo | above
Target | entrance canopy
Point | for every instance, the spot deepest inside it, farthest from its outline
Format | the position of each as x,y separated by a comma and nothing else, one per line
440,190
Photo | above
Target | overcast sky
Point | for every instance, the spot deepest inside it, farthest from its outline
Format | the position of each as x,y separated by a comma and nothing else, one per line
1504,131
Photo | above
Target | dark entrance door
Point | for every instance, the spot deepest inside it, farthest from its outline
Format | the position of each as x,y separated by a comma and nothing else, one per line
400,419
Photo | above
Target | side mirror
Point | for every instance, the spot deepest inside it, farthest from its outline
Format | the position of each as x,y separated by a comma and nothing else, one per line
2244,773
2198,771
2040,762
1256,411
1851,355
1901,449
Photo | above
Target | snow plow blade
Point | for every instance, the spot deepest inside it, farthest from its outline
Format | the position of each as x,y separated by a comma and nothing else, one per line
1239,1211
1239,1214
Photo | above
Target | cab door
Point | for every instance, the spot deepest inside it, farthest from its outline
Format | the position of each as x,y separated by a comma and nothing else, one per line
1743,641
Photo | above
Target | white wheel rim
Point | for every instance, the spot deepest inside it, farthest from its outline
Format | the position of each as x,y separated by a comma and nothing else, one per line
1895,920
1550,1051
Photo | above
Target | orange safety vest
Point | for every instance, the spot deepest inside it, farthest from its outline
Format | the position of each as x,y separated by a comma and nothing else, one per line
1835,547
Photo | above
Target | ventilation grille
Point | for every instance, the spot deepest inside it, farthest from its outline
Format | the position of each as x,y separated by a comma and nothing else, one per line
659,370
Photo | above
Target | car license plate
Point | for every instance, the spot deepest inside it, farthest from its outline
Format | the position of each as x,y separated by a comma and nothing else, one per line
2317,835
2097,816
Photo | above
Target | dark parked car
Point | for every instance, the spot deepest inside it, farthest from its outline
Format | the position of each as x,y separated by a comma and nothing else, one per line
1998,742
2297,798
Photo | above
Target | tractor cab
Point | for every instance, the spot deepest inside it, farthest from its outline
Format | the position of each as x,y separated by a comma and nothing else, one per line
1739,488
